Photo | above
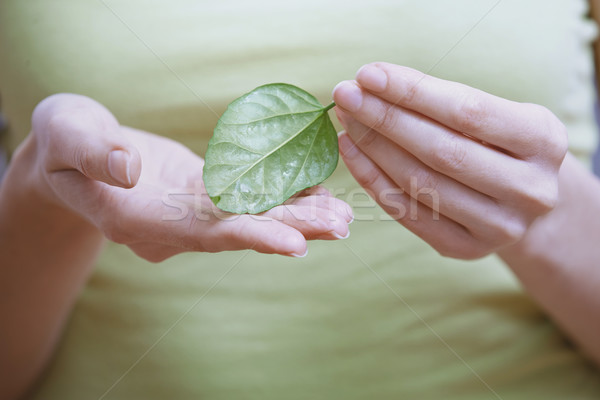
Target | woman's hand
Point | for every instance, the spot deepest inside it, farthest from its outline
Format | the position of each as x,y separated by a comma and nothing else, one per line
125,182
78,176
489,166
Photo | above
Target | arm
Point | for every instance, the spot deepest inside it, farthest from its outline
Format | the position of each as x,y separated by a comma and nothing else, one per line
46,254
66,190
558,260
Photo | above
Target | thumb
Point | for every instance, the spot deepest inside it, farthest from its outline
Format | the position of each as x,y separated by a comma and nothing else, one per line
78,133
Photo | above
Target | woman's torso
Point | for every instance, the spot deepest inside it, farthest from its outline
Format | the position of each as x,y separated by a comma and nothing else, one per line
379,315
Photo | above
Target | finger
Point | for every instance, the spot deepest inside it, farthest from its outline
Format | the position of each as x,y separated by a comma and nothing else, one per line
479,214
80,134
446,236
517,128
439,147
316,190
262,234
196,230
202,231
313,222
327,202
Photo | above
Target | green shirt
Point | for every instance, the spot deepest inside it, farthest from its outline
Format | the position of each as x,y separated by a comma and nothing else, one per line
379,315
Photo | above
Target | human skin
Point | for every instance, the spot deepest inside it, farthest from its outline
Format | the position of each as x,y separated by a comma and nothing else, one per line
66,191
499,171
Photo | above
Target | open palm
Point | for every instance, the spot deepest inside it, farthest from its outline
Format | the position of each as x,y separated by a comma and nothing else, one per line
146,191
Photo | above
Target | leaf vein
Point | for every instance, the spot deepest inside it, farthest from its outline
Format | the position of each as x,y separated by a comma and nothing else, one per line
306,100
279,100
271,152
239,146
307,155
272,117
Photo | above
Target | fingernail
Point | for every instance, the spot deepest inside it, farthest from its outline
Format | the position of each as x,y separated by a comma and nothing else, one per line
372,78
348,96
351,215
345,211
347,146
119,167
338,236
300,255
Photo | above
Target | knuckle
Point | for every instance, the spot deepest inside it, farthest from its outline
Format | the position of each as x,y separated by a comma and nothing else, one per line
471,114
320,222
368,177
318,227
55,138
510,230
412,82
545,201
387,121
559,141
368,138
427,181
448,154
541,198
541,112
56,126
411,93
463,250
57,123
551,137
422,180
82,160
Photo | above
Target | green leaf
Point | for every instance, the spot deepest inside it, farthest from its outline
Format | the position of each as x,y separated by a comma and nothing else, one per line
268,145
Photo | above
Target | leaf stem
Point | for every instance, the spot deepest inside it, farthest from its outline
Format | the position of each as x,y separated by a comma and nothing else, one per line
329,107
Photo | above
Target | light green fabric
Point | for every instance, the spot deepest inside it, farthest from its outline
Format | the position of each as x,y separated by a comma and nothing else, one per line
379,315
